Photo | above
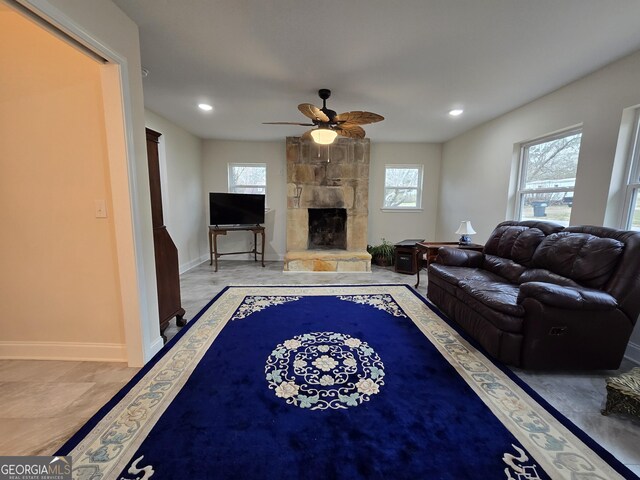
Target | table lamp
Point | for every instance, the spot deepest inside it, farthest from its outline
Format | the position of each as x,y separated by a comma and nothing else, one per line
465,230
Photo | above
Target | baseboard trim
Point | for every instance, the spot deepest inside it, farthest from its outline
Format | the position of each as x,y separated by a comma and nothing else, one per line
193,263
633,352
156,346
94,352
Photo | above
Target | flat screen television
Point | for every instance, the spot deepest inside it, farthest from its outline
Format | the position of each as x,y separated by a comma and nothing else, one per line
236,209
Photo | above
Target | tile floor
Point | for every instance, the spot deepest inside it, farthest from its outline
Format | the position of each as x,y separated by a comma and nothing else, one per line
45,402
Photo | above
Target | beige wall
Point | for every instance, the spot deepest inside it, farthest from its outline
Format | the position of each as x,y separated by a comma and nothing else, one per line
106,29
181,171
478,167
217,155
397,226
103,26
60,276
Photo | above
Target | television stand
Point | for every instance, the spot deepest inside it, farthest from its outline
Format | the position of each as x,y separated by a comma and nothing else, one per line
215,230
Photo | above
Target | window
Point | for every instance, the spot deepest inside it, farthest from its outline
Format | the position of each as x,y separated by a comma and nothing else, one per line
548,177
248,178
402,187
632,198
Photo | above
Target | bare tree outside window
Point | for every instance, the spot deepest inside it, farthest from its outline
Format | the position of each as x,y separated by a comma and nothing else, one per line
403,186
548,177
248,178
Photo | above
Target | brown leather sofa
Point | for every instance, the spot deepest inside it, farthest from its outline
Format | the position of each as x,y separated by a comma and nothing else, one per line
541,296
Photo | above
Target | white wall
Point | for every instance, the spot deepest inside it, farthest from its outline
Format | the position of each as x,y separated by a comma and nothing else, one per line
390,225
478,166
217,154
181,171
398,226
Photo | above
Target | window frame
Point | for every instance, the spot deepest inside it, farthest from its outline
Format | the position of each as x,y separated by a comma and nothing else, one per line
632,187
522,168
230,167
419,188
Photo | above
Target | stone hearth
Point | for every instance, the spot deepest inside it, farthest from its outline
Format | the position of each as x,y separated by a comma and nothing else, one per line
327,187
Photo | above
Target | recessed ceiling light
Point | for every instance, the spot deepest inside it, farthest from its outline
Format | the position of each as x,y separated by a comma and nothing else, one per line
455,112
205,106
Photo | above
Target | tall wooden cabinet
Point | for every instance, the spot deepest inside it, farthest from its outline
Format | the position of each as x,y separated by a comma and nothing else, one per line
166,253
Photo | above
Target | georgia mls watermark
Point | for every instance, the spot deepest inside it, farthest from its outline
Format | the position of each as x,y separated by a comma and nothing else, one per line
35,468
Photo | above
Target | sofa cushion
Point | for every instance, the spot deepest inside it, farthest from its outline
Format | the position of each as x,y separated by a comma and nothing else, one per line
503,267
500,296
585,258
453,275
514,242
570,298
542,275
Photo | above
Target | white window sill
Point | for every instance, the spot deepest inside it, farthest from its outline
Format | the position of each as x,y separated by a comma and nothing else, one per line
397,210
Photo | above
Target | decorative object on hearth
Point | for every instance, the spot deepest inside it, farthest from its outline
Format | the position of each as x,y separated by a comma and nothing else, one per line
331,124
284,378
465,230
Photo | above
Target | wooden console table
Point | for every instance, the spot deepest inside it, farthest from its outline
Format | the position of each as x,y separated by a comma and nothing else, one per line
428,251
215,230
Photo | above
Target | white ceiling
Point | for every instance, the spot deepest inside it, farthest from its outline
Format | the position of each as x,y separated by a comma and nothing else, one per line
408,60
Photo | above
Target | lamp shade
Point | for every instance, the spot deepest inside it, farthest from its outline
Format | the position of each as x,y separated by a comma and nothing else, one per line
465,228
323,136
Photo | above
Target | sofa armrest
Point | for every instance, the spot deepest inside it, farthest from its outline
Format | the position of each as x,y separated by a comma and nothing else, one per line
456,257
571,298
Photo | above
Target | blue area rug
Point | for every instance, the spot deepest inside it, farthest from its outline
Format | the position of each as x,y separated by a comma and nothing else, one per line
339,382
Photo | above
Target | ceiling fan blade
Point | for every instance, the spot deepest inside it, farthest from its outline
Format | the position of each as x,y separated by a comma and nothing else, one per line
313,112
289,123
350,130
359,118
307,135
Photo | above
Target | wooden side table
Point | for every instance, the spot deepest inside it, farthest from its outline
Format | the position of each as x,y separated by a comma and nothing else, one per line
428,251
215,230
406,260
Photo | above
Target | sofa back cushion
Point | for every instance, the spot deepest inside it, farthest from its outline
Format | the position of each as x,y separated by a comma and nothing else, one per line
506,268
514,242
624,283
542,275
587,259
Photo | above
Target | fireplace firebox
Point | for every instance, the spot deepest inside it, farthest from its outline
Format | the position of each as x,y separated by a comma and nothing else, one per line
327,228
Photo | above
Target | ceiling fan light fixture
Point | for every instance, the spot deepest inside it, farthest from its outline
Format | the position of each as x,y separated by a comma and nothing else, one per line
323,136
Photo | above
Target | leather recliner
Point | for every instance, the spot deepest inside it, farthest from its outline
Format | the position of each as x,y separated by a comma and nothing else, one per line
541,296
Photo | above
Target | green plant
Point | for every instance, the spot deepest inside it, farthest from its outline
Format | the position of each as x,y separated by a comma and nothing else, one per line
382,254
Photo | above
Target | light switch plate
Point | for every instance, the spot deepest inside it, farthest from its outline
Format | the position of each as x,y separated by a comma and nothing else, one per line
101,208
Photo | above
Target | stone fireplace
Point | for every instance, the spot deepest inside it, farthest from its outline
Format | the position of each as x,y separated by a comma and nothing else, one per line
327,206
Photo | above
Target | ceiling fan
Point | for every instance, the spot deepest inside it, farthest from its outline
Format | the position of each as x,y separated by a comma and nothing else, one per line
329,124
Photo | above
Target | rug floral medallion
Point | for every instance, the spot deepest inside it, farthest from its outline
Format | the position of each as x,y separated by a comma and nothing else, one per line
324,370
268,372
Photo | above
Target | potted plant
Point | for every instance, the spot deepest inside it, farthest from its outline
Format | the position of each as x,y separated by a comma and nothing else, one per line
382,254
